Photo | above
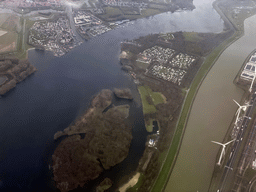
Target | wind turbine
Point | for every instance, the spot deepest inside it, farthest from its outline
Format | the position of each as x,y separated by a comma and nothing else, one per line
254,76
223,149
243,107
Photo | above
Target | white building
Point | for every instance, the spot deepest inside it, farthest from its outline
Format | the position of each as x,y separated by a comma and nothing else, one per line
249,71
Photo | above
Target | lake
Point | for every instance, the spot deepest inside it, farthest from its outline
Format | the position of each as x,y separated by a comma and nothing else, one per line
61,89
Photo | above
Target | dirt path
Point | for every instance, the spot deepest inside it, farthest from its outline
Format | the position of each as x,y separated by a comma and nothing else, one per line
131,183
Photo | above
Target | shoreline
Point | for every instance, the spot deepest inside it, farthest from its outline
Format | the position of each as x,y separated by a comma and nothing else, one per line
185,112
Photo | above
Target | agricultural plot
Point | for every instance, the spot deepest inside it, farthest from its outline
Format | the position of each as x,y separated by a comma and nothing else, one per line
4,17
149,12
8,42
130,10
111,12
11,23
191,36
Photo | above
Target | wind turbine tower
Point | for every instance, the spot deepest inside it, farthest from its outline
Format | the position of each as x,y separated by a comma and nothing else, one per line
223,149
243,107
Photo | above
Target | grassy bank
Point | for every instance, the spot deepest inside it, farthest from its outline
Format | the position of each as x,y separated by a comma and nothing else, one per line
167,167
149,101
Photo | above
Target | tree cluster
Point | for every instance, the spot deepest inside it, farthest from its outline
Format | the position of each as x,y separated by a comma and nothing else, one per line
106,143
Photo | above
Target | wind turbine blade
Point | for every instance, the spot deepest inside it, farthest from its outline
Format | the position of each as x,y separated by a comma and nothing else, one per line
236,103
217,143
221,155
229,142
250,89
238,114
237,111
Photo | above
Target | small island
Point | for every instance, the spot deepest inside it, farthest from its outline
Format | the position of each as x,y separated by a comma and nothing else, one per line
13,71
97,141
123,93
104,185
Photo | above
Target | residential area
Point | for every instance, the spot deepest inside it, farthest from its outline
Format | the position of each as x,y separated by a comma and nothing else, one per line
30,3
55,36
88,25
141,5
166,63
155,53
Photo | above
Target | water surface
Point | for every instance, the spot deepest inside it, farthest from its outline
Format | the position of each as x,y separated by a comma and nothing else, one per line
210,117
61,89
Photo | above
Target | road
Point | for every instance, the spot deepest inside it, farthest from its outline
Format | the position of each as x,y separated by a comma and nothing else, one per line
235,148
245,161
72,24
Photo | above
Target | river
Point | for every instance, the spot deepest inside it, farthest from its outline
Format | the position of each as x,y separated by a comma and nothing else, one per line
210,117
61,89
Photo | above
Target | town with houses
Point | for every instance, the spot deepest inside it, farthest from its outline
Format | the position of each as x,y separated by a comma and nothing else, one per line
56,36
78,18
120,3
30,3
88,25
158,68
166,64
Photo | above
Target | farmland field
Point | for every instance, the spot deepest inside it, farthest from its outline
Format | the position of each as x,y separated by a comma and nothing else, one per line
4,17
11,23
8,42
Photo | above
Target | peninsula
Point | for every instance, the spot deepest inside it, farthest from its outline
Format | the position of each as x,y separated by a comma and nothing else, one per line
97,141
123,93
163,66
13,71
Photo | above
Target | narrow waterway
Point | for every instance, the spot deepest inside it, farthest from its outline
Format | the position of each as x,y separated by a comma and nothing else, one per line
210,117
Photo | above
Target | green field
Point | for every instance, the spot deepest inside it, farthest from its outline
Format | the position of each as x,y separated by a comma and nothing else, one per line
147,107
149,101
4,17
147,94
142,65
11,23
112,12
191,36
149,12
8,42
149,125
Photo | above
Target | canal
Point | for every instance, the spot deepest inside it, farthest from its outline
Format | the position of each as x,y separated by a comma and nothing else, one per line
210,117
